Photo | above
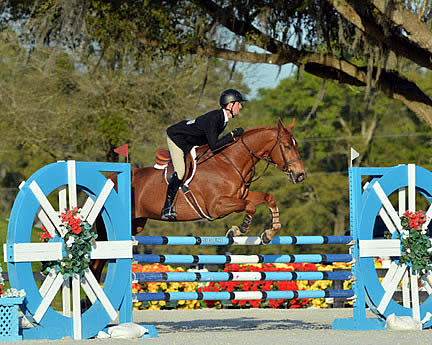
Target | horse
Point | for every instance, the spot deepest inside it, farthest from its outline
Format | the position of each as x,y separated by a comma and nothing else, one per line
222,181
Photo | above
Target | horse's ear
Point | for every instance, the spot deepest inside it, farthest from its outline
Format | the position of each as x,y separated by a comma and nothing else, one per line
291,126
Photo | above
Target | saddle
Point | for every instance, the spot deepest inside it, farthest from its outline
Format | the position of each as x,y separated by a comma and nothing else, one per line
163,162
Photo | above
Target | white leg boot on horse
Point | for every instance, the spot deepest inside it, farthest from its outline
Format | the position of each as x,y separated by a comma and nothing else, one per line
269,234
270,201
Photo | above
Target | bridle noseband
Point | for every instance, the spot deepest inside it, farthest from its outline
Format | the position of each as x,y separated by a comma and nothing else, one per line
287,164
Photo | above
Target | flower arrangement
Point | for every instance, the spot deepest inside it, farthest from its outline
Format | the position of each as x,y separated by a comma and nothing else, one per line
415,242
79,239
163,287
12,293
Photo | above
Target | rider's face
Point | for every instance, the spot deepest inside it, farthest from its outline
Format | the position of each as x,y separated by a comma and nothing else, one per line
235,108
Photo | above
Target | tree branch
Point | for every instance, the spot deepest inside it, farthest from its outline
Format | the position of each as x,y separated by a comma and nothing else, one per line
417,31
330,67
398,44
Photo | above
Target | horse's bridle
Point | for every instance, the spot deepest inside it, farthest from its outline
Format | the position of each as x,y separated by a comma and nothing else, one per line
286,167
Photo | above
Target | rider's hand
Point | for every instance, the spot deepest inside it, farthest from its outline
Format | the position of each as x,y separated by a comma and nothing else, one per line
238,132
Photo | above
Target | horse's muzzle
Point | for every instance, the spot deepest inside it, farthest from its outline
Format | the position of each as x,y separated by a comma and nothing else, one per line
300,178
296,178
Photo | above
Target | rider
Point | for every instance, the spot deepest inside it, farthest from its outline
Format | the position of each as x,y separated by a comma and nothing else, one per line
205,129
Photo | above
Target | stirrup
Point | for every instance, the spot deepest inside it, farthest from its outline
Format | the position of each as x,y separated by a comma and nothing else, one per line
168,214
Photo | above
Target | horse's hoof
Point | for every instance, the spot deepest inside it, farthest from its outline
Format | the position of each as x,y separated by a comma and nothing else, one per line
233,232
264,238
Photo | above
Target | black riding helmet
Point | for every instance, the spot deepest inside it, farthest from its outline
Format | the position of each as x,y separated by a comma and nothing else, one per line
229,96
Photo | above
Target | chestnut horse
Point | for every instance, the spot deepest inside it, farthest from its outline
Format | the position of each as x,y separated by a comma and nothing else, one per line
222,181
220,185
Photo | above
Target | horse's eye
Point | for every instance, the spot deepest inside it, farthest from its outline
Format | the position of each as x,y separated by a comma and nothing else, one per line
288,147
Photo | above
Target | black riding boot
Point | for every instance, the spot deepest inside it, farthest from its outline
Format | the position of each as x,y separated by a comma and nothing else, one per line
168,213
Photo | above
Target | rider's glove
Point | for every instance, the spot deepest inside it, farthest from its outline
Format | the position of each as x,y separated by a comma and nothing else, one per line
238,132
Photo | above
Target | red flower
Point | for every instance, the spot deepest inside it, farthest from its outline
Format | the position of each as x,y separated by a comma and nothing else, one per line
76,229
415,219
44,235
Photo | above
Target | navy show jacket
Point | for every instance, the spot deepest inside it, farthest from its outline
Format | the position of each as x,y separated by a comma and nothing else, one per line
205,129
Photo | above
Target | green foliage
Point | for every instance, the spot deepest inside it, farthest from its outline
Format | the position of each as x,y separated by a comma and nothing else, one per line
415,243
78,239
83,110
384,132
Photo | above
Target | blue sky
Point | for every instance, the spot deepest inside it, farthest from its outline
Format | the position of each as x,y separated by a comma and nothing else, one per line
259,76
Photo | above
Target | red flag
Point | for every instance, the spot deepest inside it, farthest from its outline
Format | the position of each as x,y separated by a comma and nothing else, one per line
123,151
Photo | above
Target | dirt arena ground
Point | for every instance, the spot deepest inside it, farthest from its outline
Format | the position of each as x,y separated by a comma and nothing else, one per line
253,327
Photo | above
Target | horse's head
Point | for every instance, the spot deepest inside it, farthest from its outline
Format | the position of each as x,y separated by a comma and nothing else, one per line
285,153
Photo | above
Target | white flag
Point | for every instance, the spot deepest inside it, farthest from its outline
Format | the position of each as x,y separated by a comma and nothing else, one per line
354,154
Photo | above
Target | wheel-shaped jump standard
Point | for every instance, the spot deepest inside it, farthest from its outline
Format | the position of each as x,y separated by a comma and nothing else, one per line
378,202
69,178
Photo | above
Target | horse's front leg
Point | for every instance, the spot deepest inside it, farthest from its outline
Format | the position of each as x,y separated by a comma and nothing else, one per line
226,206
265,198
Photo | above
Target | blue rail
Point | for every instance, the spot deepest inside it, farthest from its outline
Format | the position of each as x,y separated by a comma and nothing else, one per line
238,276
224,241
241,295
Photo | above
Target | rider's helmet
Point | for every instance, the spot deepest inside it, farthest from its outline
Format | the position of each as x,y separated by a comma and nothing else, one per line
229,96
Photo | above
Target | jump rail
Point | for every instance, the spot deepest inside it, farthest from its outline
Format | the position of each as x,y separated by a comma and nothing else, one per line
242,241
240,276
241,259
237,276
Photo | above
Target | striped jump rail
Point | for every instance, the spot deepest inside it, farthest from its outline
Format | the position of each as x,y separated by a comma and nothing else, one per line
224,241
241,259
237,276
240,295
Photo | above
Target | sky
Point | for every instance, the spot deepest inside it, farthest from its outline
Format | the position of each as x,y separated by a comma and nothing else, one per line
262,75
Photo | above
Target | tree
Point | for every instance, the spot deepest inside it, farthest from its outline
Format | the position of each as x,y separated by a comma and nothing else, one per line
361,43
55,107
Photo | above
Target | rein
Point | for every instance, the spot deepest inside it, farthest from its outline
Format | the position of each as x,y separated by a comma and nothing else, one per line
286,167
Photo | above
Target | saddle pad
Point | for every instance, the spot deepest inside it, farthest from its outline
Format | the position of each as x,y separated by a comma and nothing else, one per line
162,157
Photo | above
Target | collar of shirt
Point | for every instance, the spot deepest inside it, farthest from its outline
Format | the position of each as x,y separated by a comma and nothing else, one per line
225,116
